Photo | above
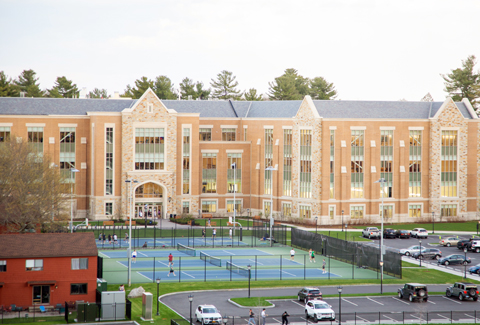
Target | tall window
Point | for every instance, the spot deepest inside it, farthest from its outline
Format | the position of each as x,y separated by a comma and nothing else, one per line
185,207
234,177
306,164
287,162
268,159
149,148
305,211
415,211
415,162
209,173
4,133
230,205
109,208
332,164
287,209
209,206
448,210
357,158
267,206
356,211
449,163
109,161
205,134
331,212
67,154
35,139
387,211
245,134
386,160
186,161
3,266
228,134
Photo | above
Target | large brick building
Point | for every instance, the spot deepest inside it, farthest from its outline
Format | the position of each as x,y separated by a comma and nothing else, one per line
327,156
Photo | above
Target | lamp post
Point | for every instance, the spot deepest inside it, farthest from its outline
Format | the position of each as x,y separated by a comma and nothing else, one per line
465,263
316,224
130,213
382,181
271,169
420,253
190,298
234,167
342,220
339,288
72,170
346,226
158,285
249,267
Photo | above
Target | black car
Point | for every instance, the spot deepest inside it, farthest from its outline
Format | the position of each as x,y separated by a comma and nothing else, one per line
402,233
309,293
389,233
454,259
466,243
429,253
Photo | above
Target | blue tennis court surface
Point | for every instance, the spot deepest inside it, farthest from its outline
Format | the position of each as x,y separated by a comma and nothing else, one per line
172,242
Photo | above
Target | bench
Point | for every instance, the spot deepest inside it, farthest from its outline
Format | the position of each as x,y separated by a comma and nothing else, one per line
207,216
213,223
108,223
127,223
37,309
257,218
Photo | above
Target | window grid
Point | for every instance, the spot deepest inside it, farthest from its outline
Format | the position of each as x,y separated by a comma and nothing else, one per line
356,211
209,206
79,263
35,139
109,161
149,148
234,178
228,134
357,158
449,164
186,207
266,208
387,211
287,162
306,164
4,133
448,210
386,161
205,134
209,173
415,163
331,212
67,154
305,211
109,208
34,265
268,160
186,161
287,209
415,211
238,206
332,164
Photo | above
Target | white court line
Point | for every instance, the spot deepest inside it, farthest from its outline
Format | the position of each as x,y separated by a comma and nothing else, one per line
188,275
256,262
122,264
349,302
264,252
227,252
406,303
142,254
163,263
453,300
104,254
374,301
144,276
289,273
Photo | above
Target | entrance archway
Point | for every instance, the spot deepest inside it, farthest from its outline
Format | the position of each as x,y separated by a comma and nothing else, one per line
149,200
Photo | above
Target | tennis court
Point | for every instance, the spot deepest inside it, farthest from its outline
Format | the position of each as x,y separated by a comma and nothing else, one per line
224,264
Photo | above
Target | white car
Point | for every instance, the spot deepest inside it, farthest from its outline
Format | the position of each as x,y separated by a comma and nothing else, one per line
319,310
419,233
412,249
208,314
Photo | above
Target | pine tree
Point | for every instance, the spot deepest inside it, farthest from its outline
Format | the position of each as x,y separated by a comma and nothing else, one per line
63,88
187,88
163,88
141,86
225,86
200,92
251,95
321,89
27,83
7,88
98,93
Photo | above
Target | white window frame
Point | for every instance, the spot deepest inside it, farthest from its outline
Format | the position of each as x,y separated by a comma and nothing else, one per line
385,205
357,205
109,125
334,211
216,204
231,199
146,125
421,209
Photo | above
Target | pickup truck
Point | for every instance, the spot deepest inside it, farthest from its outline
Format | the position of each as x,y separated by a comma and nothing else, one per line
371,232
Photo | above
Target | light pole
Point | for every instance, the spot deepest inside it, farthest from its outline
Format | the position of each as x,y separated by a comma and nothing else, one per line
225,319
342,220
190,298
72,171
249,267
271,169
130,212
465,262
346,226
420,253
433,222
339,288
234,167
158,285
316,224
382,181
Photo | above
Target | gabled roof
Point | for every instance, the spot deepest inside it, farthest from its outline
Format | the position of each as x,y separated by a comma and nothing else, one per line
48,245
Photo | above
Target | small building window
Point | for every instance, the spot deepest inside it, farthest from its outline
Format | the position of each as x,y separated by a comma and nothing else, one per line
3,266
228,134
205,134
356,211
209,206
78,289
186,207
415,211
79,263
109,208
34,265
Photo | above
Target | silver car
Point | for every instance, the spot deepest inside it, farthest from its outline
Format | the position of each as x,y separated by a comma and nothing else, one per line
412,249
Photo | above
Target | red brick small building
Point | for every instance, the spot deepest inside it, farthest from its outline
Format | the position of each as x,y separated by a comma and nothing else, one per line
47,269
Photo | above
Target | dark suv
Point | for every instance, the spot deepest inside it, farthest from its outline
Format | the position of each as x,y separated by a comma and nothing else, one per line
413,291
389,233
463,290
309,293
428,253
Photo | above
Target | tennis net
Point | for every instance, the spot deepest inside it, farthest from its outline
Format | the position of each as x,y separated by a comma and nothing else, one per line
237,269
187,250
211,259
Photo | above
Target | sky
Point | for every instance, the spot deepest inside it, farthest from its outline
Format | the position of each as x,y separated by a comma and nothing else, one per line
369,49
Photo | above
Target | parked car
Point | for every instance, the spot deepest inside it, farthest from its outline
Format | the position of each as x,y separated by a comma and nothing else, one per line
411,250
463,290
475,246
474,269
371,232
402,233
319,310
308,293
419,233
389,233
413,291
464,243
449,241
428,253
454,259
208,314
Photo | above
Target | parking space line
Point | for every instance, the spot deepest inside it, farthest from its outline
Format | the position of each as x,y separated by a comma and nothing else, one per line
349,302
443,316
365,320
431,302
470,316
374,301
450,299
406,303
420,318
390,318
296,302
276,320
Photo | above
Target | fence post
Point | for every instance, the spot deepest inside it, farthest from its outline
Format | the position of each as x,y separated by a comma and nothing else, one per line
379,318
280,267
305,266
256,271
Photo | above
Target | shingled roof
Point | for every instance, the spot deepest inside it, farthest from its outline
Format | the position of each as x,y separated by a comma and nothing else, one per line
48,245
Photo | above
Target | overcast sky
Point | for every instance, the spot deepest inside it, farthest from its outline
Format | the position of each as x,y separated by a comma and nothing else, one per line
370,50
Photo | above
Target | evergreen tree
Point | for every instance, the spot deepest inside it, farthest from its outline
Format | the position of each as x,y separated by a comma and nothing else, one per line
141,86
63,88
200,92
163,88
322,89
284,88
251,95
27,83
464,83
187,88
128,92
225,86
7,88
98,93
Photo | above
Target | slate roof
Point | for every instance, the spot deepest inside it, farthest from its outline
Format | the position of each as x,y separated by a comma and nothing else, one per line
48,245
227,109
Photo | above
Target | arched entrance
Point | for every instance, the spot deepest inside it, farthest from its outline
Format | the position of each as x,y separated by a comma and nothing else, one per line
149,201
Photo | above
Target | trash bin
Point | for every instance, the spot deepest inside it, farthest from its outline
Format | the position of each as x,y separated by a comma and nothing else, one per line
101,285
